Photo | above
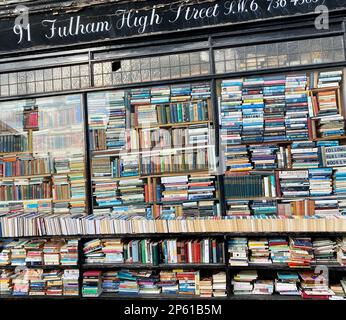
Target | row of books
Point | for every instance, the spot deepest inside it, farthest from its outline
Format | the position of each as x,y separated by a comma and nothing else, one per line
169,251
22,224
125,282
28,164
39,282
264,109
39,252
299,155
323,208
286,183
294,252
307,284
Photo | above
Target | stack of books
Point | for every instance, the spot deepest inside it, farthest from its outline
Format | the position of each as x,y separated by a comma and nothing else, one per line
51,253
304,155
34,252
54,282
264,156
238,208
294,183
243,282
69,253
160,94
264,207
253,110
274,110
286,283
148,283
174,188
106,193
329,79
110,282
340,181
37,284
168,282
231,116
265,287
314,286
324,251
180,92
92,283
71,282
320,181
128,282
297,110
113,251
279,250
219,284
341,251
6,277
200,91
259,251
206,287
237,159
238,252
301,252
93,251
188,282
201,187
327,208
131,191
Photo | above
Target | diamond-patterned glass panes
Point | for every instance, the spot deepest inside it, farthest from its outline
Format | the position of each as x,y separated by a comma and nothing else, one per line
173,66
281,54
55,79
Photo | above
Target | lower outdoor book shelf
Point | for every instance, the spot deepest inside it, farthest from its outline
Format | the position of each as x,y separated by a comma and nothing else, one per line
219,266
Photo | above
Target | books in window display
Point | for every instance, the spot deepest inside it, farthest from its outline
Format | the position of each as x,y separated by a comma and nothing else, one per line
231,115
328,79
13,142
305,155
297,109
24,165
253,110
294,183
274,110
250,184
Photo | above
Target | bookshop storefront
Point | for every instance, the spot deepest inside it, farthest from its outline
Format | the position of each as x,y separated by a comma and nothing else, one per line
199,117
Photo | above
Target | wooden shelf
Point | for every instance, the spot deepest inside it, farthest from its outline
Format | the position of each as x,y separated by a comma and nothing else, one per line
324,89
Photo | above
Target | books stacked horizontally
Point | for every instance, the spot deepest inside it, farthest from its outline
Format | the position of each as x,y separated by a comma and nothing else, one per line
6,282
200,91
69,253
128,282
131,191
206,287
264,156
110,282
54,282
201,187
274,110
238,208
301,252
325,251
304,155
264,207
259,251
297,110
294,183
168,282
279,250
243,282
328,79
219,284
105,193
92,283
71,282
237,159
265,287
51,252
148,283
188,282
253,110
327,208
340,181
320,181
174,188
287,283
314,286
238,252
231,115
107,251
341,251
